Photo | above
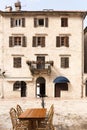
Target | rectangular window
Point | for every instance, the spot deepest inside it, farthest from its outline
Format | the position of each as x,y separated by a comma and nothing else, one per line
64,62
64,22
38,41
17,62
17,41
17,22
40,62
62,41
40,22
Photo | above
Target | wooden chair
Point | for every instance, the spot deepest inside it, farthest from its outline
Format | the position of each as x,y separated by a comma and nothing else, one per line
16,123
19,109
51,110
47,124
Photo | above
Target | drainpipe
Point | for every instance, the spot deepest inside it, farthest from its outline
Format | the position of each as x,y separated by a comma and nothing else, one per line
2,70
2,87
82,61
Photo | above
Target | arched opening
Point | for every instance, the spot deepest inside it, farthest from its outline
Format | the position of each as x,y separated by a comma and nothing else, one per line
20,86
40,86
61,84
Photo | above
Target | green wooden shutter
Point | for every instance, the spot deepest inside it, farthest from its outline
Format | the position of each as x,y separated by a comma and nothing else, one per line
67,42
10,41
24,43
46,22
57,41
62,62
23,22
12,22
66,62
34,42
35,22
43,42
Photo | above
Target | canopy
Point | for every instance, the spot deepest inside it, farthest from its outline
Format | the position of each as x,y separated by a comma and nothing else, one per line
61,79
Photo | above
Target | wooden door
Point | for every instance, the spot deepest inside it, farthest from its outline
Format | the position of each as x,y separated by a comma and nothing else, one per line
57,90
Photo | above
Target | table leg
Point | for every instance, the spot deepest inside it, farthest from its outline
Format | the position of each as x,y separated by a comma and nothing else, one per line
32,125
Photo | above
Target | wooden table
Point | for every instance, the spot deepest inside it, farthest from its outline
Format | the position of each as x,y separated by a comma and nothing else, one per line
33,115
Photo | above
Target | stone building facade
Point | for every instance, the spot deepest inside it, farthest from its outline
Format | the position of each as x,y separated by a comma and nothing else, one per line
41,53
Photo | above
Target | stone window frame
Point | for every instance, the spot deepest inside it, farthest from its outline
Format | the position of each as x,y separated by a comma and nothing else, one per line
17,62
62,40
17,40
64,22
17,22
40,22
64,61
38,41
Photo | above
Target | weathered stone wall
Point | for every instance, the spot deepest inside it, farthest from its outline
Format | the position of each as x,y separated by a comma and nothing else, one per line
73,73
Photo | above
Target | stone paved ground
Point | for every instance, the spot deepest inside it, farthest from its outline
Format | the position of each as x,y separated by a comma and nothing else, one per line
68,114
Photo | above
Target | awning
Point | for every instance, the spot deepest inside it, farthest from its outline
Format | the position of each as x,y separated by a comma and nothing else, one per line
61,79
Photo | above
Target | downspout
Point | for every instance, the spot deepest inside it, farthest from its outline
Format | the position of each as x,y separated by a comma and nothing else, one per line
82,66
2,60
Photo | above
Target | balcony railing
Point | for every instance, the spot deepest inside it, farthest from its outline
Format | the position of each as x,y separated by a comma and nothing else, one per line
40,67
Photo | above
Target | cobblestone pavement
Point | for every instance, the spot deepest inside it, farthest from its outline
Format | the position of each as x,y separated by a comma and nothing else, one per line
68,114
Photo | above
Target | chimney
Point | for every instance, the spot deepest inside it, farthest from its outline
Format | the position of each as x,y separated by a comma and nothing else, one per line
18,6
8,8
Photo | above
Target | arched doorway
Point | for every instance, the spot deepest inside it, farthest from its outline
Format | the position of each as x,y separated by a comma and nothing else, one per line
40,86
61,84
20,86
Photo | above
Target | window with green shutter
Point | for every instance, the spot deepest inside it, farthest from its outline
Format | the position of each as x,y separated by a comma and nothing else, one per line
40,22
64,22
17,62
17,22
38,41
64,62
62,41
17,41
24,41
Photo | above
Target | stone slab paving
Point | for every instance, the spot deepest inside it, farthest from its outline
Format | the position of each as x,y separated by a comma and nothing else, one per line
68,114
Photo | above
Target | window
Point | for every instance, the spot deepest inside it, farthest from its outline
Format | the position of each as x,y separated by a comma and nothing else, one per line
62,41
17,86
17,62
64,62
40,62
17,22
64,22
17,41
38,41
40,22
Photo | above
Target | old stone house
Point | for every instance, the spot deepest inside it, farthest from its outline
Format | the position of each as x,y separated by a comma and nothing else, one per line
41,53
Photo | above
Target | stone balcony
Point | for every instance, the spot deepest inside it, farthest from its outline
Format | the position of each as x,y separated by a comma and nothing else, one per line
37,67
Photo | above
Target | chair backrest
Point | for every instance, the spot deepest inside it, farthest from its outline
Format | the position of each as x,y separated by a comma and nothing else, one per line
13,115
51,110
50,114
19,110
